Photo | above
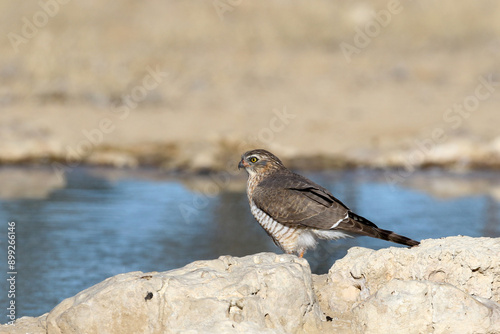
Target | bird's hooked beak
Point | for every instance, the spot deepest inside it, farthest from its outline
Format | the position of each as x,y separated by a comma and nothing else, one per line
243,164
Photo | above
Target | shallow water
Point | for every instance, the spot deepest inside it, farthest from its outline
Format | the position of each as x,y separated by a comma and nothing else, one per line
74,232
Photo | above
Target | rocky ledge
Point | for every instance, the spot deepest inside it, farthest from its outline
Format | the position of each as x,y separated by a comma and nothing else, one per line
449,285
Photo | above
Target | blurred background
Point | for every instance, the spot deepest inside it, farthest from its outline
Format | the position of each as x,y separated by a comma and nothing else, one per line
121,126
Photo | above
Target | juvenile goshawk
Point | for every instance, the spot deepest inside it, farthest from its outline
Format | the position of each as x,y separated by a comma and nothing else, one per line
296,212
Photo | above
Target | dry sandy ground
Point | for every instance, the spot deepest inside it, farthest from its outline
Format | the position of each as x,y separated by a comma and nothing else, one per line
190,85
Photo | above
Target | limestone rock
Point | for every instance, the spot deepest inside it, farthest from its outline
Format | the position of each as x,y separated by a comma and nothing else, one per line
26,325
432,285
425,307
449,285
260,293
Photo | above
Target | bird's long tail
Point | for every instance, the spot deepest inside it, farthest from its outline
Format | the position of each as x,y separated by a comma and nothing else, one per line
363,226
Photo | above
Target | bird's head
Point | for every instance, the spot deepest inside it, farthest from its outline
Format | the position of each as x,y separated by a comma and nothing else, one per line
260,162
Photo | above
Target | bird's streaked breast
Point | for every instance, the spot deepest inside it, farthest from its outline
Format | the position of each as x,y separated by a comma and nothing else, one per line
284,236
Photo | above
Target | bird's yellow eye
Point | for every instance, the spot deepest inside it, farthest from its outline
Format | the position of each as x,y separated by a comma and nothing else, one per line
253,159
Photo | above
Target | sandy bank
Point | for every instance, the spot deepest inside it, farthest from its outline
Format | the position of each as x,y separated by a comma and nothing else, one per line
182,86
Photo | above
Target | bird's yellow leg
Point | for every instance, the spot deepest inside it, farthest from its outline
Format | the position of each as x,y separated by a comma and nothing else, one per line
301,255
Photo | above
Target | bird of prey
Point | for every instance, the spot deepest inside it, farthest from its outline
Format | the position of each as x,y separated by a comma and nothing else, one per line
296,212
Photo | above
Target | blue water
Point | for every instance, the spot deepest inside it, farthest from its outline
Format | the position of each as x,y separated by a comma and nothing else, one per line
74,232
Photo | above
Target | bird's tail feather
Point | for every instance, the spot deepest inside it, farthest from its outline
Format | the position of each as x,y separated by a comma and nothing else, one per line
363,226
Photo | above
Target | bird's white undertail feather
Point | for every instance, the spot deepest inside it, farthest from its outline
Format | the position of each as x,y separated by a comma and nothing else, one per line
332,234
308,238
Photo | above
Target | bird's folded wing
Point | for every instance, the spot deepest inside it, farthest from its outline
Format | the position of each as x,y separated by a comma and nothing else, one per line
294,200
